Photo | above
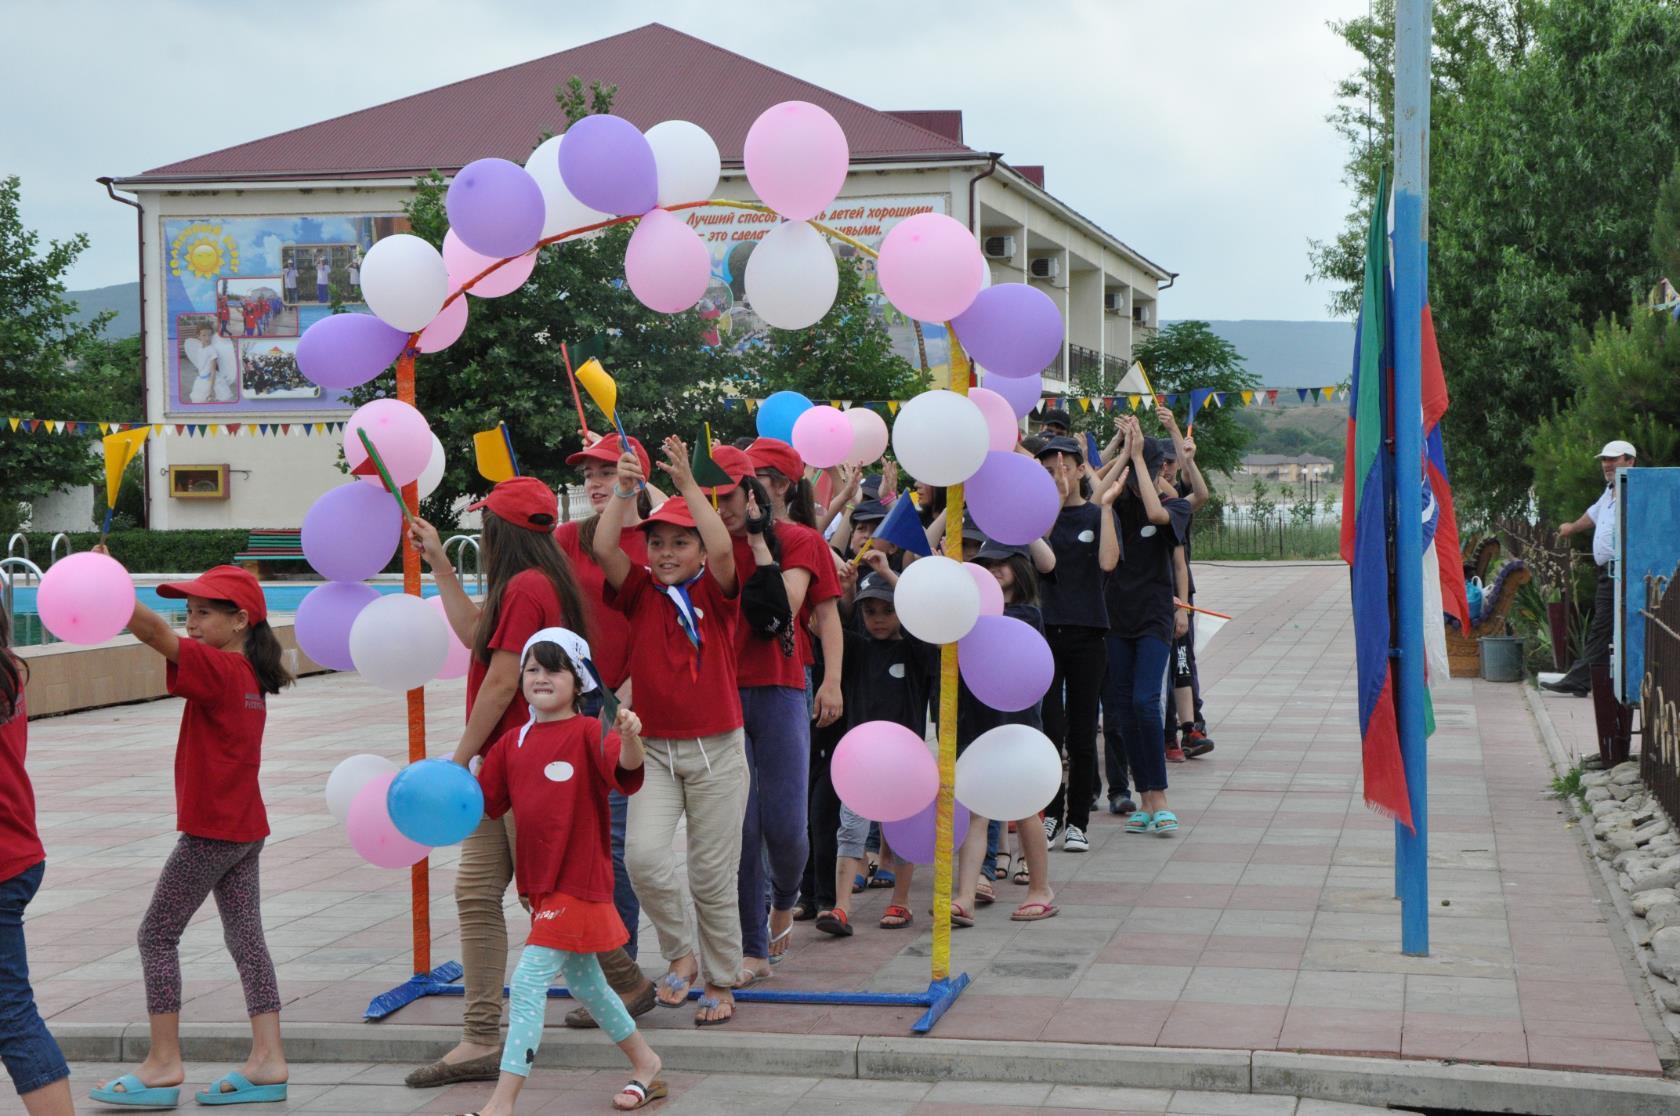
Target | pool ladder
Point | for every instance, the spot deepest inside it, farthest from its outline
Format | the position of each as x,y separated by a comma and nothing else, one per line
7,576
52,551
466,543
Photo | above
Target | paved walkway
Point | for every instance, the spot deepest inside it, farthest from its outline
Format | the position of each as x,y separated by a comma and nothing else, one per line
1267,923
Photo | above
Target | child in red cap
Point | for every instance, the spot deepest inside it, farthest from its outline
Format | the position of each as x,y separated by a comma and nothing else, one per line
225,669
683,609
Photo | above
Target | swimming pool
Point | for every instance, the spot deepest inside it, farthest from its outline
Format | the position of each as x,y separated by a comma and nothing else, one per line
27,630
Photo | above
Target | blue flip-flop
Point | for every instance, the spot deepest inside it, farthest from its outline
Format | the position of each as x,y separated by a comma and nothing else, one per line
1165,823
1139,822
243,1092
136,1094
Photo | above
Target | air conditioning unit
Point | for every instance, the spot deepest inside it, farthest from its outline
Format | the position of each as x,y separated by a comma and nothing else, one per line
1140,314
1044,267
999,247
1114,302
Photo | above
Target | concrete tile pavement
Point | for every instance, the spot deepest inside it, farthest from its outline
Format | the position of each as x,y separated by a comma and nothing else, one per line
1267,923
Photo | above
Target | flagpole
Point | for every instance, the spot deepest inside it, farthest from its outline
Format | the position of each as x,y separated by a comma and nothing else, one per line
1412,32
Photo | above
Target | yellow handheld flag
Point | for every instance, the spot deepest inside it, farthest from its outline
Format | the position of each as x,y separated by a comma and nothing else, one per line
493,453
600,386
119,451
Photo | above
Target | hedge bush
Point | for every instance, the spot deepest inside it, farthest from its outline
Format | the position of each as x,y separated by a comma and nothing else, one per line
145,551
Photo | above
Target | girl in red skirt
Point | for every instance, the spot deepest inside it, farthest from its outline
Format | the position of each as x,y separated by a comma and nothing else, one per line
554,774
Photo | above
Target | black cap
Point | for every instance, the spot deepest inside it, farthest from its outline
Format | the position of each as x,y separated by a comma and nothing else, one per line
871,485
993,551
869,511
1056,419
970,532
1169,451
1152,456
1065,445
874,587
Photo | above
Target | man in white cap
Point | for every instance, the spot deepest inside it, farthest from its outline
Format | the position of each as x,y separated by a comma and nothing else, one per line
1601,519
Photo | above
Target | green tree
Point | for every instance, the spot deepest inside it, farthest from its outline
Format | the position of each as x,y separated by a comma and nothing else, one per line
1552,125
1665,227
1186,355
51,365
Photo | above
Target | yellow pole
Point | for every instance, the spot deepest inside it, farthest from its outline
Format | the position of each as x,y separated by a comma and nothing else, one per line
946,842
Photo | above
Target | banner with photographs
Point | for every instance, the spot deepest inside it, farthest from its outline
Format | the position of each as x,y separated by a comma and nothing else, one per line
240,291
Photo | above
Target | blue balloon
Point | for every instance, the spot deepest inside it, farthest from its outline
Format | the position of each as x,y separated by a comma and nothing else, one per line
435,802
777,414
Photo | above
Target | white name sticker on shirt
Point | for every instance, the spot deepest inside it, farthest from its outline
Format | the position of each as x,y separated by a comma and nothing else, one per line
1148,529
1087,536
559,771
896,670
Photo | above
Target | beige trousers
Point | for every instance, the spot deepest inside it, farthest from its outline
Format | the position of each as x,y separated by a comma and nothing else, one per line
706,781
481,883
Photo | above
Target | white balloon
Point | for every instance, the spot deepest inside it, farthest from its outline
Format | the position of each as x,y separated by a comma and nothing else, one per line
869,436
792,277
937,600
687,159
561,211
399,643
940,437
432,475
404,281
1008,773
350,776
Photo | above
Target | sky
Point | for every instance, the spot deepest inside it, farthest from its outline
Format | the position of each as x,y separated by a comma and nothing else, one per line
1193,130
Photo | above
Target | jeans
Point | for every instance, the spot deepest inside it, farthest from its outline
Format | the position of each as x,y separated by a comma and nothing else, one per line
31,1055
1137,674
778,740
1071,722
994,843
624,896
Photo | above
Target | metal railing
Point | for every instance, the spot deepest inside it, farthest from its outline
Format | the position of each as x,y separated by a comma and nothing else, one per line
7,565
12,545
52,551
1659,716
466,544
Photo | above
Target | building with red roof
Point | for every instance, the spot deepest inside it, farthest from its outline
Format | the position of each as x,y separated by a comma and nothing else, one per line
294,212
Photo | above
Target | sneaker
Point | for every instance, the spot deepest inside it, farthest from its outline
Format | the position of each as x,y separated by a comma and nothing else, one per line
1050,826
1175,754
1073,840
1560,688
1196,743
1121,805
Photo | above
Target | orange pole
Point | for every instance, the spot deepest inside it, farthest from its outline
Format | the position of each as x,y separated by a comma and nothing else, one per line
419,880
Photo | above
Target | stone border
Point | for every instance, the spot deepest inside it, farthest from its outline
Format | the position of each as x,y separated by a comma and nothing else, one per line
1374,1081
1636,849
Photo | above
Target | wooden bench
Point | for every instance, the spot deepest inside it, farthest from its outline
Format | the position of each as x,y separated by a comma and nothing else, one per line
1464,651
284,545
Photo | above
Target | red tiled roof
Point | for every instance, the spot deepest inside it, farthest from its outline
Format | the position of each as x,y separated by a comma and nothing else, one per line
661,74
946,122
1032,172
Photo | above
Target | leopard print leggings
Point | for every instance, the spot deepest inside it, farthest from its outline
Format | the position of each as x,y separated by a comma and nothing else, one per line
197,868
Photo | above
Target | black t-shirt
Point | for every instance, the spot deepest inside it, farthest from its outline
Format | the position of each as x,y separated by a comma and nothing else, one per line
974,717
888,680
1072,593
1140,590
1184,489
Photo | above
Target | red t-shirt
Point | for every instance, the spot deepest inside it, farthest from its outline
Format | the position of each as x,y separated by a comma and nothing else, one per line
806,549
609,631
678,690
759,661
529,604
556,784
20,843
219,751
252,313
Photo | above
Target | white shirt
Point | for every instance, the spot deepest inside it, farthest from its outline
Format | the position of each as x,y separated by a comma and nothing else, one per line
1603,515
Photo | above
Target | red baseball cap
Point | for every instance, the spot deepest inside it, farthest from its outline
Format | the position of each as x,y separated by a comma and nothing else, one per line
773,453
222,583
734,462
524,502
609,449
674,511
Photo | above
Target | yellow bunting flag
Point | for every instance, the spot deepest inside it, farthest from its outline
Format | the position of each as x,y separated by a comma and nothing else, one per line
1328,392
892,405
1134,400
1248,398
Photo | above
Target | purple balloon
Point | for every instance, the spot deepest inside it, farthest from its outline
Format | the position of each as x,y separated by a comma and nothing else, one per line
608,165
350,533
1011,329
1013,498
496,208
323,621
1023,393
1005,662
913,838
348,350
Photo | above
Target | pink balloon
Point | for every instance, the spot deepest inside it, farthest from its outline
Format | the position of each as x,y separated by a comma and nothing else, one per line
796,159
444,330
372,833
823,436
884,771
991,593
1000,416
463,263
931,267
1006,663
400,434
455,666
666,264
869,436
85,598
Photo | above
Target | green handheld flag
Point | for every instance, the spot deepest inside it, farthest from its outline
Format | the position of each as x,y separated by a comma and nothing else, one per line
384,475
707,472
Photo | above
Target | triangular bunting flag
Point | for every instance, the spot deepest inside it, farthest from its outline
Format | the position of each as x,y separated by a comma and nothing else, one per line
752,405
14,423
51,426
285,428
892,405
1329,392
1085,405
104,428
1171,398
233,428
157,428
1134,400
1248,398
180,430
1271,395
1219,398
33,424
1302,392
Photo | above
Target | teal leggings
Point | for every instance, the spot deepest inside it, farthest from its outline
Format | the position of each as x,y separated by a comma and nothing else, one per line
538,966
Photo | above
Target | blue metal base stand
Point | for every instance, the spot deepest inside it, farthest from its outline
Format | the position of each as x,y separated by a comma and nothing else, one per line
938,998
